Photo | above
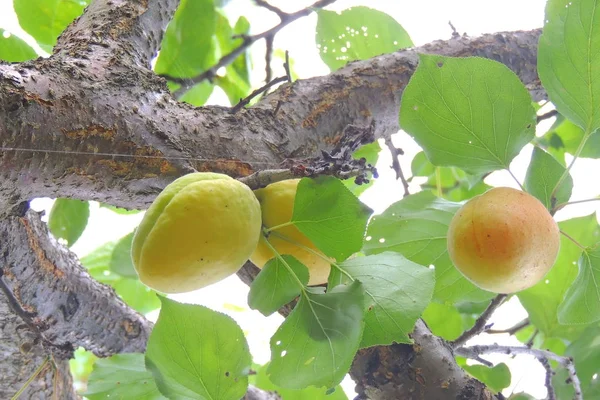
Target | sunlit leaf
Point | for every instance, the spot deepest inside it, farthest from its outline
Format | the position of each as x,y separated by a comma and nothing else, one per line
68,219
357,33
416,227
14,49
568,63
122,376
471,113
330,216
197,353
397,291
444,321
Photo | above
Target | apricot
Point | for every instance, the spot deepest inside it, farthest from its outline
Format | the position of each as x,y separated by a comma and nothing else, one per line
199,230
277,206
504,240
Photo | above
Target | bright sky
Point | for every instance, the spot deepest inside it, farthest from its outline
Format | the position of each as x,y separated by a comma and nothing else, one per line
425,21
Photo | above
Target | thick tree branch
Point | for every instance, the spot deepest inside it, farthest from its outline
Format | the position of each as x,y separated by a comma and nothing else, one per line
76,118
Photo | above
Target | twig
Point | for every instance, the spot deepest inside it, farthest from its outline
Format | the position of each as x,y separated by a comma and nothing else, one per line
269,58
549,374
529,342
512,330
575,242
281,14
455,33
243,102
396,153
562,205
480,323
286,18
286,66
475,351
547,115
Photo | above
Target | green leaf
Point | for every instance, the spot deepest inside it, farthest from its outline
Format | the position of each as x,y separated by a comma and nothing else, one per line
119,210
398,290
122,376
471,113
416,227
317,342
234,87
542,300
357,33
262,381
189,43
582,300
521,396
275,285
495,378
14,49
81,366
444,321
46,19
132,291
197,353
330,216
370,152
198,94
568,65
567,136
543,175
68,219
120,261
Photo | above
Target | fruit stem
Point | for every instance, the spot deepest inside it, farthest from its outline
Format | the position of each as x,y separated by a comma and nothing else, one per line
287,266
267,230
516,180
582,247
316,253
438,183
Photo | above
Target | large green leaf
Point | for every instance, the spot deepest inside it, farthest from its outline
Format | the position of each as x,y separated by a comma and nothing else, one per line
330,216
14,49
261,380
188,47
444,320
568,62
278,283
357,33
416,227
120,261
471,113
197,353
582,300
46,19
132,291
317,342
68,219
122,376
569,136
542,300
543,175
496,378
398,290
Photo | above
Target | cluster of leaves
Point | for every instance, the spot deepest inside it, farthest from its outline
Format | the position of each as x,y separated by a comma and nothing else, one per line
471,116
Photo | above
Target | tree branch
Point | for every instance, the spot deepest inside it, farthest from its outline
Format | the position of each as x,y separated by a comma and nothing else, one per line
481,322
512,330
396,153
118,136
286,19
475,351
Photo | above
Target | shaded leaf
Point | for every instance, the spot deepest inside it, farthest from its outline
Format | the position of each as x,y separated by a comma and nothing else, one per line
444,321
276,285
543,175
471,113
120,261
495,378
317,342
14,49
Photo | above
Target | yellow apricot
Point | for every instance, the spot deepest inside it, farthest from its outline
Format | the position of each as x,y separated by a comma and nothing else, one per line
504,240
277,205
200,229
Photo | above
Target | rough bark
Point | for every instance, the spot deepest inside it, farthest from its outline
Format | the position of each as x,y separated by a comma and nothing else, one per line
93,122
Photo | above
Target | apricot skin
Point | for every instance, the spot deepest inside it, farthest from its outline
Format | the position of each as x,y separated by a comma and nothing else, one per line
277,206
504,240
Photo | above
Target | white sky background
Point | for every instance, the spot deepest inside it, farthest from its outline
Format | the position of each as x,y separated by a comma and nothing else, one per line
425,21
